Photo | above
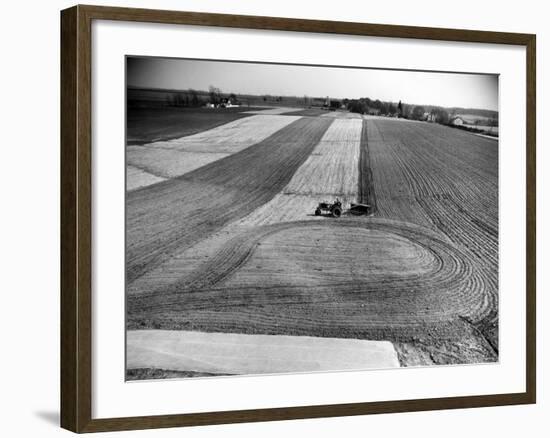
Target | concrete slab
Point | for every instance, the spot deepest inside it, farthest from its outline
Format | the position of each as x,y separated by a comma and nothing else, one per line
228,353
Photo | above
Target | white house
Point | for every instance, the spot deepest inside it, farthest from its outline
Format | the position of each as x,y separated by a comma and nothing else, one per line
457,121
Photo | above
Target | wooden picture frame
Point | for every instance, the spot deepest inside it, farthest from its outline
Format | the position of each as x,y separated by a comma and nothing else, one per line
76,218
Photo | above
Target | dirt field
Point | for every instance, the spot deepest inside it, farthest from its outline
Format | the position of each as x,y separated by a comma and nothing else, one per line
169,159
146,125
331,171
176,213
136,178
341,115
233,246
310,112
271,111
424,175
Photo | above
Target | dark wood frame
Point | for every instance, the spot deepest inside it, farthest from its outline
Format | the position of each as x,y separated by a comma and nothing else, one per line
76,218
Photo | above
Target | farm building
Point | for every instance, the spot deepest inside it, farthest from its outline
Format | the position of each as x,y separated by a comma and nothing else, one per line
457,121
430,117
319,102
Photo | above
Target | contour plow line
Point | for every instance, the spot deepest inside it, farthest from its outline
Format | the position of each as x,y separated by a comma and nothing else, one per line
393,301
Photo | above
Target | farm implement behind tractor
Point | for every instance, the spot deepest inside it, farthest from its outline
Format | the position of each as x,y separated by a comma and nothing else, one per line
335,209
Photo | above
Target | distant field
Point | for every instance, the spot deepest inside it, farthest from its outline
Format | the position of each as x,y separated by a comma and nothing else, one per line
272,111
146,125
471,118
169,159
486,129
311,112
480,123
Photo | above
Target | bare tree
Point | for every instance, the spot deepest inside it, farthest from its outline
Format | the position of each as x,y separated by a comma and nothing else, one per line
215,94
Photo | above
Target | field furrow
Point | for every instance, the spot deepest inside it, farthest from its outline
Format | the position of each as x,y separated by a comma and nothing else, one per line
448,181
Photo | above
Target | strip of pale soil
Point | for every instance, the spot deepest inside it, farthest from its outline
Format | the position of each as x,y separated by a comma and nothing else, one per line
271,111
136,178
331,171
341,115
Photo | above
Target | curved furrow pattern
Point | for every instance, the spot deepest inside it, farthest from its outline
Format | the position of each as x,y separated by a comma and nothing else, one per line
408,278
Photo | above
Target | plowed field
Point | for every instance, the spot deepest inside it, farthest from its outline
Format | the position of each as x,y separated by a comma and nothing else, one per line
271,111
330,172
169,159
233,246
176,213
146,125
136,178
447,181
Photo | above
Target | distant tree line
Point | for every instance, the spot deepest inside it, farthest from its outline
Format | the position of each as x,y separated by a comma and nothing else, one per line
270,98
366,105
193,98
188,98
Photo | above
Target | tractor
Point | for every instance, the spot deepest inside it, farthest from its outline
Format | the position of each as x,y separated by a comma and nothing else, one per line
334,209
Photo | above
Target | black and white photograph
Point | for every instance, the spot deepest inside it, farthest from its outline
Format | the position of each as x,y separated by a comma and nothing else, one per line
285,218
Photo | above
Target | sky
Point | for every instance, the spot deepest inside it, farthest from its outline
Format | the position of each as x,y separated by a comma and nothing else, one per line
413,87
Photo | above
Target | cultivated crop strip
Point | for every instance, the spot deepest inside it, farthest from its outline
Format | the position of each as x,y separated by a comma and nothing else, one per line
169,159
331,171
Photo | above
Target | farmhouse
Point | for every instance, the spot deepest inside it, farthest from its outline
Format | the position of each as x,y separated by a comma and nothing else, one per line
320,102
228,103
457,121
429,117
